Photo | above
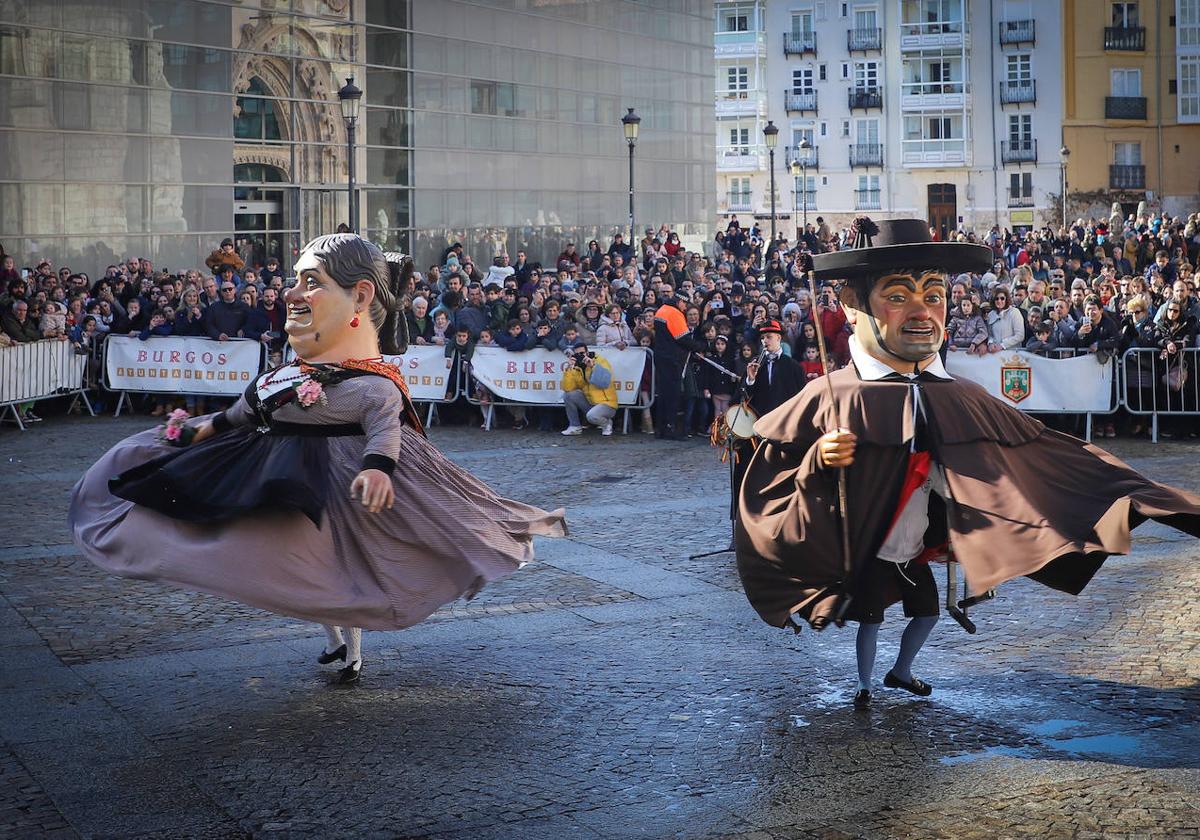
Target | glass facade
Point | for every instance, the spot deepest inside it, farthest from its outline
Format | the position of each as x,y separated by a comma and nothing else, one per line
157,127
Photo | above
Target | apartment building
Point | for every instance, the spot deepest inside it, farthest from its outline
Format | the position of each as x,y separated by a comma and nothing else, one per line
943,109
1132,108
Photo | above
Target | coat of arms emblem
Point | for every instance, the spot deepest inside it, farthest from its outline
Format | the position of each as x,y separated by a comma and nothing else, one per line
1016,378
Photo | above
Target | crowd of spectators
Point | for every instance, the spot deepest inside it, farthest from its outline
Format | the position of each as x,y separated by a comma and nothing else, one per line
228,301
1097,286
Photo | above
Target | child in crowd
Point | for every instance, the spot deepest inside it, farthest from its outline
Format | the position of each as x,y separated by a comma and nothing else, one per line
458,364
514,337
645,338
543,336
1041,343
569,336
811,363
482,394
718,386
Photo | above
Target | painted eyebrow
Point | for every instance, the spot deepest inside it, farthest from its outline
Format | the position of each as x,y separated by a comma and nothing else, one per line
899,280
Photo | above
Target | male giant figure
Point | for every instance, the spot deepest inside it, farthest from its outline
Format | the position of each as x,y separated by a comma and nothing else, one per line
930,464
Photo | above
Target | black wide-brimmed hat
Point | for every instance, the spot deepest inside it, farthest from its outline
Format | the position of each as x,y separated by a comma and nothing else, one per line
898,243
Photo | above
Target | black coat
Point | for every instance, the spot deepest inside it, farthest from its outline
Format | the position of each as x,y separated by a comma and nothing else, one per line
712,379
787,380
1006,520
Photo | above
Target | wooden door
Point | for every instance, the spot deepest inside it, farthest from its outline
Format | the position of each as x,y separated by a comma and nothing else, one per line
943,210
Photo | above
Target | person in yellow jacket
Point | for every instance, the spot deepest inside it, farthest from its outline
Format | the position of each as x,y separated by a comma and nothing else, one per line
589,391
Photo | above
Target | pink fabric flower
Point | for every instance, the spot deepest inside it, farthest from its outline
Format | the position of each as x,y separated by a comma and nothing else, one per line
309,392
173,432
178,416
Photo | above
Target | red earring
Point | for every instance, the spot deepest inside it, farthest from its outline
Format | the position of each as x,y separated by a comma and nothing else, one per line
354,320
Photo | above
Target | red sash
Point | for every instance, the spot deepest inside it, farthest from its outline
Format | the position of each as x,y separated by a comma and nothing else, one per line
916,474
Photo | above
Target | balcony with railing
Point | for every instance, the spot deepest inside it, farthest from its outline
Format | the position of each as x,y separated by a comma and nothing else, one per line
800,100
932,95
1125,38
866,200
808,157
1125,107
866,154
934,152
947,34
865,98
799,43
1017,198
738,201
864,40
740,159
804,200
1018,92
741,103
739,44
1018,151
1127,176
1013,32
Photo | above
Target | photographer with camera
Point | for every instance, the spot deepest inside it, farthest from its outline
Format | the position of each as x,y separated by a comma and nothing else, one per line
588,391
833,324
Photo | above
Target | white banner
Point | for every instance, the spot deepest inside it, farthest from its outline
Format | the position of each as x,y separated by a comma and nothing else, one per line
427,372
39,369
181,365
1036,383
535,376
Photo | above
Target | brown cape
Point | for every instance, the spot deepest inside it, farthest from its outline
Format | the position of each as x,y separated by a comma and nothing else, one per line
1025,500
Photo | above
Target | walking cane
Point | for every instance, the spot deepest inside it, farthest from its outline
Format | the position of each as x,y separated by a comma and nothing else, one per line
839,615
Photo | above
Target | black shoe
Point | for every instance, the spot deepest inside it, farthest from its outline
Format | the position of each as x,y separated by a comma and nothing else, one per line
862,700
917,687
326,657
350,674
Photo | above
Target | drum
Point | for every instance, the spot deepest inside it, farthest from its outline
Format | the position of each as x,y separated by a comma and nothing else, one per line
740,421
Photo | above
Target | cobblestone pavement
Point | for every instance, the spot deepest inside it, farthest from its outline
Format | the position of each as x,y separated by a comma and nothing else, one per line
614,689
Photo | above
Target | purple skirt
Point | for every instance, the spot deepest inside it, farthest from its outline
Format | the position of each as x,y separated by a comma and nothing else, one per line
447,535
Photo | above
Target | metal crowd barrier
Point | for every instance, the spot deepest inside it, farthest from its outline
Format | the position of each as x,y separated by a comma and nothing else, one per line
39,370
1114,394
489,419
449,396
1154,386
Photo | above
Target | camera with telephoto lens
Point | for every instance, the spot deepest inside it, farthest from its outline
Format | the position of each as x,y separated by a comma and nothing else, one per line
580,355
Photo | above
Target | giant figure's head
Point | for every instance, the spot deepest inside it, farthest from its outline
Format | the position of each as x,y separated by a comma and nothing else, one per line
896,286
343,279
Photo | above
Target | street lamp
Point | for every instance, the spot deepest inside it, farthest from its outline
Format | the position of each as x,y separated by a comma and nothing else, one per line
349,95
771,135
1063,154
800,168
630,123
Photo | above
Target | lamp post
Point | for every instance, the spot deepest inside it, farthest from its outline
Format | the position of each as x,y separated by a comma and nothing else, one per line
630,123
349,96
1063,154
800,167
771,136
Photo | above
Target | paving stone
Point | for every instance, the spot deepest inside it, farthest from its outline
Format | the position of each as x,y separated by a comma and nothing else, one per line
615,688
